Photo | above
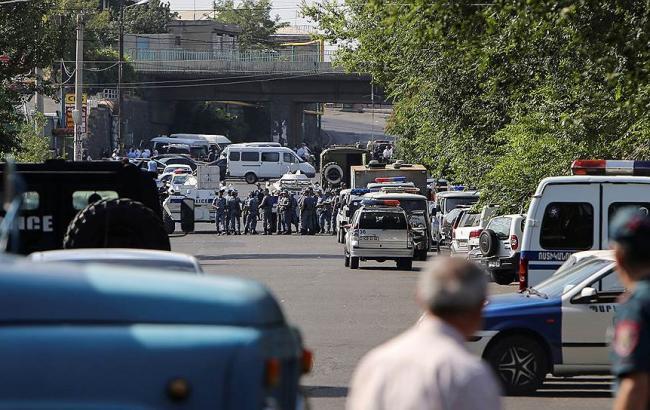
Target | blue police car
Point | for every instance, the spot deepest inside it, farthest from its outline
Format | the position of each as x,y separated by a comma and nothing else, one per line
557,327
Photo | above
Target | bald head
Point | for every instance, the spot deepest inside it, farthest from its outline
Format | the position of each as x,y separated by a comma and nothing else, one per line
452,286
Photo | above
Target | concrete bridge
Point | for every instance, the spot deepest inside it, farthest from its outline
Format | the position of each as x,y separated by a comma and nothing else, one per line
291,82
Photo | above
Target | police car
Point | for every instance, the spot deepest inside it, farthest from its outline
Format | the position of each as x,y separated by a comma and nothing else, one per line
379,231
573,213
351,202
557,327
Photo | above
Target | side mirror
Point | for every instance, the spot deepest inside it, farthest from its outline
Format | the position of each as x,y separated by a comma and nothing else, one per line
587,295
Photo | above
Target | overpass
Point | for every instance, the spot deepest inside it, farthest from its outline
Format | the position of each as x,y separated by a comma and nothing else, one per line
287,80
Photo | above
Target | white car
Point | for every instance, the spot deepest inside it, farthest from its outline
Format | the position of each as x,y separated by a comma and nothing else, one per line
177,168
468,227
379,231
559,326
135,258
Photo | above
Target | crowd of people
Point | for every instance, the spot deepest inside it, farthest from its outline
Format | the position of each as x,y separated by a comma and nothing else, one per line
280,212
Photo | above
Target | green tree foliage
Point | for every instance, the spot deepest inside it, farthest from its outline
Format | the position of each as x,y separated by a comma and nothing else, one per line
149,18
501,94
30,144
254,18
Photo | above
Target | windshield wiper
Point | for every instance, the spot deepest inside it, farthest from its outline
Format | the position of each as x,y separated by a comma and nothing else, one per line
531,290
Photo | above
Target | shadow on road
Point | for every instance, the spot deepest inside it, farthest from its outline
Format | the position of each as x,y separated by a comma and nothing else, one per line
325,391
586,387
389,268
243,256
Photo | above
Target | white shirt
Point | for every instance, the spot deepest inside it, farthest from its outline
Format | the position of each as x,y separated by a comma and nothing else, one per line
426,367
301,152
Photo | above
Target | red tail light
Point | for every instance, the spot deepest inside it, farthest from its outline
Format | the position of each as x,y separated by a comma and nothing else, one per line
306,361
514,242
272,372
475,233
523,273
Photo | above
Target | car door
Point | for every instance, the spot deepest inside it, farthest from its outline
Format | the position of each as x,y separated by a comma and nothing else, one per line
290,161
585,322
620,196
271,165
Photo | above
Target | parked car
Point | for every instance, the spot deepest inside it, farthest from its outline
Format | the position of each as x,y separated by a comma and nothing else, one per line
262,162
176,159
487,213
500,247
136,258
558,326
468,225
446,202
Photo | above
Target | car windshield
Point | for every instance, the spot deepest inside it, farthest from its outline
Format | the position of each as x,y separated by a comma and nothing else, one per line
382,220
180,179
456,201
411,205
556,285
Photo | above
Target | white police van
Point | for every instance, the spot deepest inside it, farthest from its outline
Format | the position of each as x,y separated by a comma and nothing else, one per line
558,326
573,213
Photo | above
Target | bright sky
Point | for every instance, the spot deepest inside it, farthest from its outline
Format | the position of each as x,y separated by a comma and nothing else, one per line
288,10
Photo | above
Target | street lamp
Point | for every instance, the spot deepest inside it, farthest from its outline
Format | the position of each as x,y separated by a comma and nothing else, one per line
120,97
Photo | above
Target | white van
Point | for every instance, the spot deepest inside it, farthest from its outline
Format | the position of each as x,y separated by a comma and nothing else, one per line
220,141
253,163
573,213
198,148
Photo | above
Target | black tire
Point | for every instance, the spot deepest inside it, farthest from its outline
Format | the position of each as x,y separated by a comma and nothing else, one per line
520,364
116,223
405,264
346,262
332,173
250,178
488,242
420,255
354,262
168,222
503,277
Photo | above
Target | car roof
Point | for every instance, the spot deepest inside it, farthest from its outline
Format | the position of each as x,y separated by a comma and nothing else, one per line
582,179
395,195
509,216
601,254
110,253
381,208
445,194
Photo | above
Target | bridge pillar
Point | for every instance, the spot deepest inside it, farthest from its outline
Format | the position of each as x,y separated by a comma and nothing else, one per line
285,122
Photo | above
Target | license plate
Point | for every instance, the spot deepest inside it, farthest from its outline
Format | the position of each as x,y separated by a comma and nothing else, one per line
494,264
369,238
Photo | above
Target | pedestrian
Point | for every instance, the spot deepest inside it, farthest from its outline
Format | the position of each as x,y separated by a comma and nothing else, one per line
336,206
251,219
428,366
152,166
266,206
295,220
286,212
325,217
219,205
631,343
234,212
307,207
274,214
146,153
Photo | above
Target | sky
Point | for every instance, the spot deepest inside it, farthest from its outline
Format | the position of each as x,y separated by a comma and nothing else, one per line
288,10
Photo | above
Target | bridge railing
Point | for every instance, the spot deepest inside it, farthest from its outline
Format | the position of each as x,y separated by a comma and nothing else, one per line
264,61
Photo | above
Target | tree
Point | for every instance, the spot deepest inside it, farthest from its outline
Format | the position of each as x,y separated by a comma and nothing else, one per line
254,18
149,18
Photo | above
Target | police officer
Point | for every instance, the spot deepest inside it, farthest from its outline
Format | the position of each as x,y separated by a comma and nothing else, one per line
295,220
631,343
266,205
286,213
274,215
251,218
325,217
234,212
219,204
307,206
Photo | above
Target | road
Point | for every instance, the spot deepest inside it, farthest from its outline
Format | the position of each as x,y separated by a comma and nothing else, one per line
343,313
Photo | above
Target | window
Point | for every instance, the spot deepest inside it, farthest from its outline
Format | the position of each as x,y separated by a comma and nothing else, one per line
614,208
288,158
500,226
453,202
378,220
234,156
81,199
610,283
469,220
270,157
250,156
31,201
568,225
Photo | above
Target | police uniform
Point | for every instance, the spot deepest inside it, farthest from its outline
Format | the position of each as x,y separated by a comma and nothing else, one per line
233,204
251,217
267,212
219,203
286,213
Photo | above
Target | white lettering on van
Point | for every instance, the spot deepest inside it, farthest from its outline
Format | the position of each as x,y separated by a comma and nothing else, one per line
554,256
35,223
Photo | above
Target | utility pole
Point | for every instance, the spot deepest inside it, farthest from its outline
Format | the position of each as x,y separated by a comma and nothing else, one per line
78,88
120,97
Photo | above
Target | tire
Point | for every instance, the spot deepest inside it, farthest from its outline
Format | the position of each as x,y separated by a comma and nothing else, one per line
503,277
520,364
116,223
354,262
346,262
488,242
168,222
405,264
250,178
420,255
332,173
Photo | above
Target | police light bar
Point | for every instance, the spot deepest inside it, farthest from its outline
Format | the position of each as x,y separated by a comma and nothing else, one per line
456,188
390,179
400,189
610,167
359,191
384,202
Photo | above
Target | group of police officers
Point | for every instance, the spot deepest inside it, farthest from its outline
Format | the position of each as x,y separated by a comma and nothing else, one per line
309,212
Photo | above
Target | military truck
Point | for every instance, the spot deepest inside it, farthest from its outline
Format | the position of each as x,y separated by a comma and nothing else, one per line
362,175
336,162
90,204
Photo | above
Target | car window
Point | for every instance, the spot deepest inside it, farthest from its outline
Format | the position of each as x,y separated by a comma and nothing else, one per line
501,226
234,156
410,205
454,202
270,156
31,201
288,158
81,199
382,220
469,220
250,156
615,207
609,283
568,225
556,285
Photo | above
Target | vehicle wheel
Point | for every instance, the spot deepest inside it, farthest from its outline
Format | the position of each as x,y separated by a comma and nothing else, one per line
488,242
168,222
347,261
250,178
354,262
332,173
405,264
503,277
420,255
520,364
116,223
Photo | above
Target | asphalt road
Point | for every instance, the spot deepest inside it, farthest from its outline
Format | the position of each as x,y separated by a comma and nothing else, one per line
343,313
